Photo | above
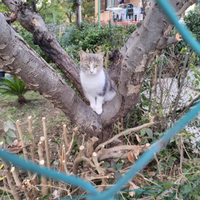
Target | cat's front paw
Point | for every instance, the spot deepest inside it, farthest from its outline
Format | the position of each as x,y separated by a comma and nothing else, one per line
99,110
93,108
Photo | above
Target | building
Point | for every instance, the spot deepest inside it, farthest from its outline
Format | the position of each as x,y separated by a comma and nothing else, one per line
105,15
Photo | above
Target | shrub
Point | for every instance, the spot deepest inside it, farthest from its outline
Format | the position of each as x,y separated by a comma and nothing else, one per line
192,21
14,86
89,36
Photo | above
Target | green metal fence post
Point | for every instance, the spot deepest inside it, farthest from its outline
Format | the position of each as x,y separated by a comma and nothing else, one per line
99,4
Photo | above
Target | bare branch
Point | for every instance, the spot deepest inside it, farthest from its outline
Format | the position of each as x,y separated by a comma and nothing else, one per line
125,132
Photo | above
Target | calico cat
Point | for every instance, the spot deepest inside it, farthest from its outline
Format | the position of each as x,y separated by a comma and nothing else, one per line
97,85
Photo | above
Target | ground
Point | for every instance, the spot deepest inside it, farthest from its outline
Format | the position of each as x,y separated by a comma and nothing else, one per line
37,107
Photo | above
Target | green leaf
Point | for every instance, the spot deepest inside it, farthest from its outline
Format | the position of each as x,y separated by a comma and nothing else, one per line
117,127
160,112
183,50
6,197
26,140
157,133
172,160
117,175
143,131
8,125
105,165
27,137
113,165
167,186
13,86
119,166
2,140
55,162
47,196
187,188
9,140
5,127
75,138
11,125
172,139
115,159
149,132
11,134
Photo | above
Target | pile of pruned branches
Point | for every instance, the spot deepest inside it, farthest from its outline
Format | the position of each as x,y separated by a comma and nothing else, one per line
86,163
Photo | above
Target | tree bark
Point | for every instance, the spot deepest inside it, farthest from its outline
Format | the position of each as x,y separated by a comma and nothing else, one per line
21,99
78,13
146,4
69,16
127,69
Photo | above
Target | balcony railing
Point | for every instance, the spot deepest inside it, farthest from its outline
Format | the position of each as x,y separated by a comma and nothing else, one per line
125,12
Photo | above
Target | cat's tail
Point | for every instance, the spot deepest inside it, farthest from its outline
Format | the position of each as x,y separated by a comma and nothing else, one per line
111,93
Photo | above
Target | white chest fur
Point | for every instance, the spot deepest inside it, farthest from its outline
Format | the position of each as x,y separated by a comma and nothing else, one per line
93,83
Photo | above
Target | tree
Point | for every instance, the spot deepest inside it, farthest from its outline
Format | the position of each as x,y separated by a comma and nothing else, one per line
127,68
57,11
78,12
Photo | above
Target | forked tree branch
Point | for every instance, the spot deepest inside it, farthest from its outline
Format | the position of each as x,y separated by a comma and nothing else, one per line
17,58
128,66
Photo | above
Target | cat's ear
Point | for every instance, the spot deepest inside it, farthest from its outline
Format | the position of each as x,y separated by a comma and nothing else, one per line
82,54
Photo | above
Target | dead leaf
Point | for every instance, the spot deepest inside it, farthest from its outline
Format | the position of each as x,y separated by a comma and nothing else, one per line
137,137
132,187
16,143
56,194
138,180
131,157
16,147
150,173
178,37
136,151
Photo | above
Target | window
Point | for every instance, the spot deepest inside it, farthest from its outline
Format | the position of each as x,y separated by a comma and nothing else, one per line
109,3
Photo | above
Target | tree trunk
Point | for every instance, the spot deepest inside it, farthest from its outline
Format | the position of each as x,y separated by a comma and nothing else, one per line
127,69
69,16
21,99
146,4
78,13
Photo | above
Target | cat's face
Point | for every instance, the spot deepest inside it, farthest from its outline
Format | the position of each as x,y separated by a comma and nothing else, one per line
91,63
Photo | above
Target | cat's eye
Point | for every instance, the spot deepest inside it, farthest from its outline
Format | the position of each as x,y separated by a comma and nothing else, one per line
95,66
87,65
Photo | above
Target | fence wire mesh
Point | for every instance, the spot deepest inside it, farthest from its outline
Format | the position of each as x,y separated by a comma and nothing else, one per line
93,194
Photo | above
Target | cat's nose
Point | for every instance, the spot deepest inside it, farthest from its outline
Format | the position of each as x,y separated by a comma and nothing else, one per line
91,72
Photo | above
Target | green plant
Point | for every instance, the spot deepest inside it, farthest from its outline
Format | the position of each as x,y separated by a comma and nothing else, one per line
89,36
8,127
192,20
14,86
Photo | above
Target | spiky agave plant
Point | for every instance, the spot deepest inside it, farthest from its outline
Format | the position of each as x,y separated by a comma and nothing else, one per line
14,86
